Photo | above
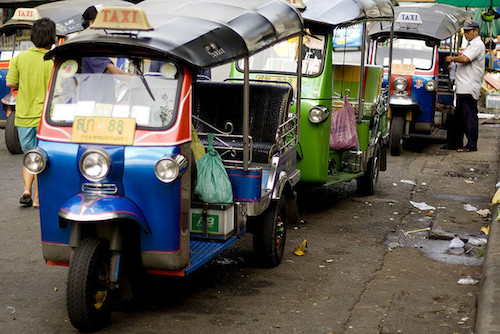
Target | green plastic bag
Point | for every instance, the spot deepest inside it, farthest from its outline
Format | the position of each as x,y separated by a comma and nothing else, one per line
213,184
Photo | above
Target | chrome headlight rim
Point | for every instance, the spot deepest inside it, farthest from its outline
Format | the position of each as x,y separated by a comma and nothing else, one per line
106,162
318,114
400,84
170,168
430,85
35,156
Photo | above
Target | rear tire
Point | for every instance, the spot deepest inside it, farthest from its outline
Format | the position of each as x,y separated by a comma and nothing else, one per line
396,136
11,136
367,183
89,298
269,236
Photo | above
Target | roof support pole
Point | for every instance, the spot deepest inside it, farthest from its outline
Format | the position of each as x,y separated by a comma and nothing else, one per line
246,113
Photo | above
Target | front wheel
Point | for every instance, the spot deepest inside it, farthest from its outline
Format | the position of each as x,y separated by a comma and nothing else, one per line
270,235
366,184
11,136
396,135
88,296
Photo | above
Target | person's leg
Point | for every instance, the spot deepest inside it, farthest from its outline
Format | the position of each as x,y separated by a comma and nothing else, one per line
36,201
471,122
27,139
455,131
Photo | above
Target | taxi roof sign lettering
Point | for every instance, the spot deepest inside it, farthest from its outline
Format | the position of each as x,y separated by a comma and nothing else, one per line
409,18
26,14
299,4
121,18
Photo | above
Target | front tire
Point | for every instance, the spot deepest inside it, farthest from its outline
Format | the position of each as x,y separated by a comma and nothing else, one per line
269,236
11,136
89,299
396,135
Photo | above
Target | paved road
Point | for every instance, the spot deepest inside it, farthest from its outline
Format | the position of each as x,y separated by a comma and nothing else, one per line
349,281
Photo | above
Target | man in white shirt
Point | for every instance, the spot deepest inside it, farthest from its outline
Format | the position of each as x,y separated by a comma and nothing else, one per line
470,71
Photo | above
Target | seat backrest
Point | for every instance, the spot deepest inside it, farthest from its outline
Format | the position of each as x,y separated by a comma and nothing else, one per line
347,77
220,102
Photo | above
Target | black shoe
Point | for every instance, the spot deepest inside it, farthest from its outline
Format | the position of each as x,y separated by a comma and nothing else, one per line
26,200
467,149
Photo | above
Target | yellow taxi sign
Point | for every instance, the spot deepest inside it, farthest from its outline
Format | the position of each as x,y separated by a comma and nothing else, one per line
26,14
121,18
299,4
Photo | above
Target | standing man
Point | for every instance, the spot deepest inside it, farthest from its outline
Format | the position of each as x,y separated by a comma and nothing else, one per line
470,71
29,73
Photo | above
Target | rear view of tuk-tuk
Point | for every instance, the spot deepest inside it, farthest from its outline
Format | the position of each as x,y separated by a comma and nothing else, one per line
116,158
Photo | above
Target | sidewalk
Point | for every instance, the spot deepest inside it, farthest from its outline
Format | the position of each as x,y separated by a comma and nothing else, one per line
488,306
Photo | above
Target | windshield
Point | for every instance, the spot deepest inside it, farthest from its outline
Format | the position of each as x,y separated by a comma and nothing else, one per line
406,51
282,57
146,91
19,41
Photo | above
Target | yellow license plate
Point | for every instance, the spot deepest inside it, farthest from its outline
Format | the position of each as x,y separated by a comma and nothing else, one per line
103,130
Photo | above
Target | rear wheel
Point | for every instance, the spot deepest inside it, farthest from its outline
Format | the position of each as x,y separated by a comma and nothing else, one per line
396,136
270,235
89,299
367,183
11,136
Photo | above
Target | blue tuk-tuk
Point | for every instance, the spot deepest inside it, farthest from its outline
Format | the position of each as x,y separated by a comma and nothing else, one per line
116,152
422,92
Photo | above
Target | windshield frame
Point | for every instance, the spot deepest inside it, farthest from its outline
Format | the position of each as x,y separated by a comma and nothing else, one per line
179,78
432,59
317,74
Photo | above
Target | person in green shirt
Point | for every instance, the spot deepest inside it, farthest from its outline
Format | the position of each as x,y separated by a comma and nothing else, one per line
29,73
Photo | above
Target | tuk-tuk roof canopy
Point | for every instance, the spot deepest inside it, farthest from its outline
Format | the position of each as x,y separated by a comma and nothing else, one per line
67,15
430,20
347,12
203,33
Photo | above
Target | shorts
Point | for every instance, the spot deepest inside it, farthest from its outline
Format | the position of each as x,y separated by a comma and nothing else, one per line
27,137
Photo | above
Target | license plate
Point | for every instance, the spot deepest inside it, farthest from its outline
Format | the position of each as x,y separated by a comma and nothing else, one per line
103,130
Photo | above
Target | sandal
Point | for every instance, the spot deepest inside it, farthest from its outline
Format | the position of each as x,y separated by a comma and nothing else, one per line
467,149
26,200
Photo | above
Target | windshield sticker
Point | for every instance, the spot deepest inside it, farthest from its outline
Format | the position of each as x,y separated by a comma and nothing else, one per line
68,68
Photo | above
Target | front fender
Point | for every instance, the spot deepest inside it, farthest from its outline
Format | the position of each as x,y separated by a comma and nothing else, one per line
91,208
404,102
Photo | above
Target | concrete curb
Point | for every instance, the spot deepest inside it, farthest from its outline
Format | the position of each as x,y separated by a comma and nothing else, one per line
488,305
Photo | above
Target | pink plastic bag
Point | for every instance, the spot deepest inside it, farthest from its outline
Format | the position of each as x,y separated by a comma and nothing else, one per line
343,132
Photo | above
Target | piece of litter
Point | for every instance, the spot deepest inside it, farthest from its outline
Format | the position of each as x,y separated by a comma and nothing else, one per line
300,248
484,212
329,260
456,243
419,230
395,213
393,245
395,184
12,309
441,207
469,207
413,183
471,169
469,181
480,242
404,234
485,229
422,206
467,281
322,266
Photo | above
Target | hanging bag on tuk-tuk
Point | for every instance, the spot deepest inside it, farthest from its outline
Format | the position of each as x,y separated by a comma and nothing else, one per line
343,131
213,184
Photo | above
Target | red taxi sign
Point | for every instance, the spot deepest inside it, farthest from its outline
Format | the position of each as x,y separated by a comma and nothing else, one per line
26,14
121,18
297,3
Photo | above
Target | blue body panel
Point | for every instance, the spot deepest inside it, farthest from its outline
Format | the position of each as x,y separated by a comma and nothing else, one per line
246,185
4,90
141,196
426,99
160,202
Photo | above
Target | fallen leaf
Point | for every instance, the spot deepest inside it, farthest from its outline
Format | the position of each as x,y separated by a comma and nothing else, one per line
300,248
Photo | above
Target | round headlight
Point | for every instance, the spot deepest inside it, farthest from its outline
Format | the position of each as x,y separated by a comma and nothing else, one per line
94,164
318,114
35,161
430,85
170,168
400,84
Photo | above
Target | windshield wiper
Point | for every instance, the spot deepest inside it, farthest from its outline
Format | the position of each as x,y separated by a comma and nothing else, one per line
143,79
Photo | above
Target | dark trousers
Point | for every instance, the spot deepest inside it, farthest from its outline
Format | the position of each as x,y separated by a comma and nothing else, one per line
464,121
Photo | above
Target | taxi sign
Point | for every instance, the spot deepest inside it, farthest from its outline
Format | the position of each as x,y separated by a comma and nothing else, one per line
121,18
103,130
26,14
297,4
409,18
